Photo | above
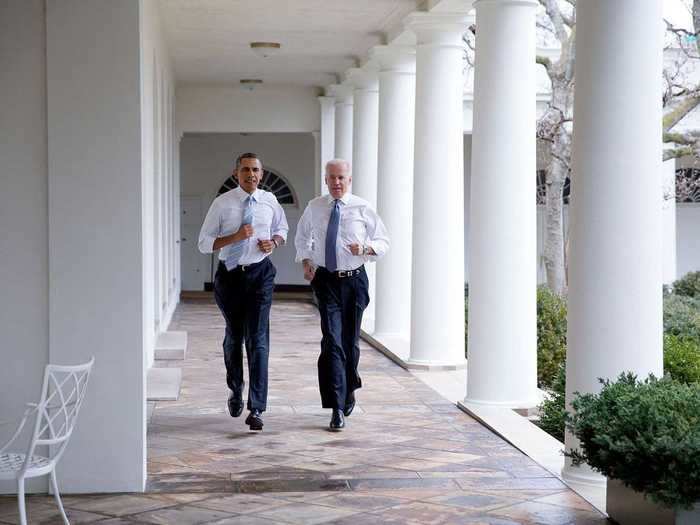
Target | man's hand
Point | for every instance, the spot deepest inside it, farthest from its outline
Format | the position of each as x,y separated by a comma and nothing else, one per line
309,269
266,245
358,249
244,232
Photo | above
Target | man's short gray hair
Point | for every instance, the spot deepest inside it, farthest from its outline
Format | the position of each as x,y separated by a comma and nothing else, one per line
338,162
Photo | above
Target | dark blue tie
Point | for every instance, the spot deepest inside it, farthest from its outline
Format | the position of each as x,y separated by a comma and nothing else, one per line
332,236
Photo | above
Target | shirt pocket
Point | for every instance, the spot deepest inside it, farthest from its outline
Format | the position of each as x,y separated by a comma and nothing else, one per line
231,221
262,222
353,229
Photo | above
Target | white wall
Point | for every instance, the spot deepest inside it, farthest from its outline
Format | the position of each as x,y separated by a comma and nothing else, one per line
207,160
24,288
688,238
160,187
95,234
234,109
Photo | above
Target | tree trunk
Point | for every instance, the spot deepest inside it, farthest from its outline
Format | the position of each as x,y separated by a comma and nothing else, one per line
554,226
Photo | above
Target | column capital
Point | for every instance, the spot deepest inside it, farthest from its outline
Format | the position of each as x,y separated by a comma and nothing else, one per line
326,101
341,92
401,59
364,79
444,29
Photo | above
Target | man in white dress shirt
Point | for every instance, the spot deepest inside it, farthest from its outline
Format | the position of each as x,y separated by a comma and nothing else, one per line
336,235
245,224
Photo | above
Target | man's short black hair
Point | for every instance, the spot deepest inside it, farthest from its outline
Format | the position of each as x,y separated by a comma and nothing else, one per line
246,156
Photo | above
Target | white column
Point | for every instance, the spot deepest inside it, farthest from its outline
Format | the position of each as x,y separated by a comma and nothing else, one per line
502,344
437,283
615,269
327,137
668,241
343,121
95,252
365,122
397,100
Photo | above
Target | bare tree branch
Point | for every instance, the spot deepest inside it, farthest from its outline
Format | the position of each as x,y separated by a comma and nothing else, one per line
677,114
677,153
555,15
689,138
546,62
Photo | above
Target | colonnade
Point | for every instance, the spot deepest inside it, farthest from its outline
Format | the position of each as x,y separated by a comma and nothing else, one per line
399,119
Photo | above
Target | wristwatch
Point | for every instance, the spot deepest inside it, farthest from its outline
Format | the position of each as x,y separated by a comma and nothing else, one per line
276,243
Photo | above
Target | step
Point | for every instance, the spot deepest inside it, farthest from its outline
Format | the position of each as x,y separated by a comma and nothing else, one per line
171,345
163,384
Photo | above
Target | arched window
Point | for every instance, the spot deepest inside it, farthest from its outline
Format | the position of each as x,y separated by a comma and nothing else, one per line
271,181
688,185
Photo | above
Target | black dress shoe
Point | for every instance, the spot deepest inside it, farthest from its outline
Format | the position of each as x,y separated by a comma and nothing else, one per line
349,405
254,420
337,421
235,404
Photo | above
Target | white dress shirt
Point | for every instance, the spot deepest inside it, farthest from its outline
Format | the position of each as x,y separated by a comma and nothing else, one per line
359,224
226,214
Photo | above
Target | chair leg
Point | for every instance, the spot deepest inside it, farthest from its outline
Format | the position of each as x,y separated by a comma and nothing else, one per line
57,496
20,502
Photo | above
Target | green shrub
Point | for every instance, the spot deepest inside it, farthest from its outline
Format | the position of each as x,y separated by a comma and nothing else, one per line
552,411
551,335
645,434
682,316
688,285
682,358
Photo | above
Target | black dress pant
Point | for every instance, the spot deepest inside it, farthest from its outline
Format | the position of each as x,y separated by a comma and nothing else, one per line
244,296
341,302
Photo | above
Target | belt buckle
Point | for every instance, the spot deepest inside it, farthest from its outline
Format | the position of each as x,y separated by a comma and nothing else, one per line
342,273
244,266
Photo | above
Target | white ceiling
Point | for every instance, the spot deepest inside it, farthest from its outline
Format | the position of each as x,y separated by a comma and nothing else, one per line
209,40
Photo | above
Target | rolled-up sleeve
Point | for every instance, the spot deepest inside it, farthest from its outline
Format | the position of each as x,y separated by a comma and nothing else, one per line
279,221
303,241
377,235
211,229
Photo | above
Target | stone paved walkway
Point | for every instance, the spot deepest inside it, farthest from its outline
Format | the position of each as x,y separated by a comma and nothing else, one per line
407,456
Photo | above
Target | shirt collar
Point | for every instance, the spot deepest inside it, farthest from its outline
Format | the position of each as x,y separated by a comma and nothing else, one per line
345,199
243,195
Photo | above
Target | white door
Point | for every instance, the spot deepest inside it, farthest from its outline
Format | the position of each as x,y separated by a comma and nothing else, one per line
194,265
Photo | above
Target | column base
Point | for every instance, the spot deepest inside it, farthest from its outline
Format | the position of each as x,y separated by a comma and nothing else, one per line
588,484
432,366
583,477
515,404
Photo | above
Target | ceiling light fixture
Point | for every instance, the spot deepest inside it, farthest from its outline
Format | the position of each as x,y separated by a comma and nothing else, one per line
249,83
265,49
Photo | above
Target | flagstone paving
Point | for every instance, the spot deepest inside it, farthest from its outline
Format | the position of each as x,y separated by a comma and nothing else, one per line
407,456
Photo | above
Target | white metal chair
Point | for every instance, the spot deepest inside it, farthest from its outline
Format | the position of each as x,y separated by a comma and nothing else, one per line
62,395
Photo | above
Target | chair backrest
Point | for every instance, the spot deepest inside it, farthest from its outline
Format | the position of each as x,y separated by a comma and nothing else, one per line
62,395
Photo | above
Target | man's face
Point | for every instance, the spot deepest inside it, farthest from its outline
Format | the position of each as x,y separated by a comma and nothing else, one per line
249,174
338,180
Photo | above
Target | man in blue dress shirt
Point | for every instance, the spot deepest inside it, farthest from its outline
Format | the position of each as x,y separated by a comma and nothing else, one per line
245,224
336,235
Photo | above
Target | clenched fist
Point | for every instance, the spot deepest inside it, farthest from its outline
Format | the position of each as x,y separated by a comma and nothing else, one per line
266,245
355,249
246,231
309,270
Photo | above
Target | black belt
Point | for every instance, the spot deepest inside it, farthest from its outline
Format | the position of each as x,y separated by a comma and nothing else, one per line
244,267
341,274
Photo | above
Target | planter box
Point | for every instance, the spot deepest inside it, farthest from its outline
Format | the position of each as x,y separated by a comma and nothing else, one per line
627,507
